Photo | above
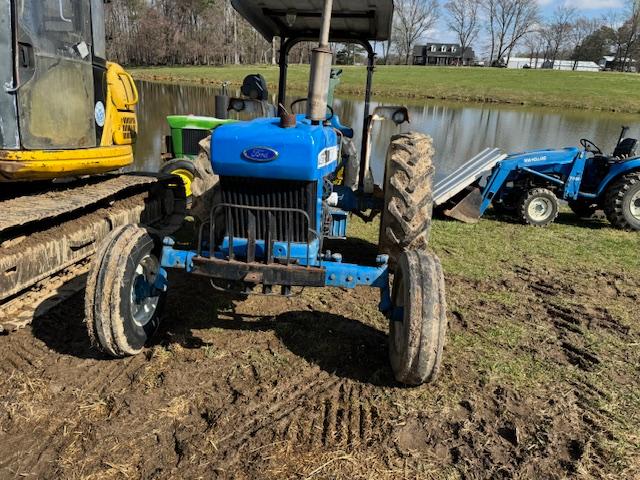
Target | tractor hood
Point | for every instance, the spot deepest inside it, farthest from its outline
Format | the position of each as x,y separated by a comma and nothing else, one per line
262,149
538,157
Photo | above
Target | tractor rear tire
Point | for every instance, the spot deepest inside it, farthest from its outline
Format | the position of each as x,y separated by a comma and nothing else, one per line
408,196
583,209
120,324
538,207
418,321
622,202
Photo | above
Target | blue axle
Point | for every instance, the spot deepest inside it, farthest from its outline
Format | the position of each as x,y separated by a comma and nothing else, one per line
335,273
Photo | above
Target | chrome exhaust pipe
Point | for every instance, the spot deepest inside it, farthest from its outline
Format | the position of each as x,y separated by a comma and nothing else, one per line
321,61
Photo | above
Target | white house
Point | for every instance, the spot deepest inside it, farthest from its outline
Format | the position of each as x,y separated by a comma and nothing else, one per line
527,62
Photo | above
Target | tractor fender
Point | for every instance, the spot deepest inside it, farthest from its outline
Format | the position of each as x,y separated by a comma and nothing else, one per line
618,170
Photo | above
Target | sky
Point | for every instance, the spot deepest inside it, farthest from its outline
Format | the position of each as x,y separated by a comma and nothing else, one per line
588,8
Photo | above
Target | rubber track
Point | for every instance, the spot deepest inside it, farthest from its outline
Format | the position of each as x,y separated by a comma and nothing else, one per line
20,211
43,297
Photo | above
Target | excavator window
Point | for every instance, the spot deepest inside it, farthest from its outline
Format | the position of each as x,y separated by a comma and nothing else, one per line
97,23
9,135
55,75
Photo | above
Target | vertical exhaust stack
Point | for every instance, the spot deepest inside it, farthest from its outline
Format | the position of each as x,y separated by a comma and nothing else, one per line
321,60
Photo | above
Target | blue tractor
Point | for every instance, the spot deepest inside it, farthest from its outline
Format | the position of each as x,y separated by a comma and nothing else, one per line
529,185
286,187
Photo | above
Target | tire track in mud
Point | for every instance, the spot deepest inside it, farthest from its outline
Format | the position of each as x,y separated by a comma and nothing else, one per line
71,383
22,353
576,320
315,411
569,322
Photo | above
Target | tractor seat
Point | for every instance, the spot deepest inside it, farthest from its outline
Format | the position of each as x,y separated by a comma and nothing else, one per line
346,131
626,149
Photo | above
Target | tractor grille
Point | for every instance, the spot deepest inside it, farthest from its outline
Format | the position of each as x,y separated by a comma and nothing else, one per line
191,140
250,192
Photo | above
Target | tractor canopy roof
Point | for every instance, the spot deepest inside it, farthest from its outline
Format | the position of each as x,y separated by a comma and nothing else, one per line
352,19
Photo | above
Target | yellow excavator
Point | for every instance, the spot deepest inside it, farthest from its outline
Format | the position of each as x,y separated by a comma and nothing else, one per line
67,119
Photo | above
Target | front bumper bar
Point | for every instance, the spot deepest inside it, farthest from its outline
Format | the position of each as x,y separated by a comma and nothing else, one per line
259,273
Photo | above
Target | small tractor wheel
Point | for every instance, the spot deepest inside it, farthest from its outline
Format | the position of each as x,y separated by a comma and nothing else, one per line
583,209
622,202
418,321
408,195
183,168
539,207
122,301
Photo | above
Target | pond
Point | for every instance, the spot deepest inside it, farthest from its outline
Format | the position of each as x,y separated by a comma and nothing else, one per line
460,131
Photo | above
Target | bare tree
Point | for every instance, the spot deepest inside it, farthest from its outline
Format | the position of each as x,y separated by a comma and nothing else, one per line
558,32
613,19
534,44
583,29
509,21
463,19
629,34
413,19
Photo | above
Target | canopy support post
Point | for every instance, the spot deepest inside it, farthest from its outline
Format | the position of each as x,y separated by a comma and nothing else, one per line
371,66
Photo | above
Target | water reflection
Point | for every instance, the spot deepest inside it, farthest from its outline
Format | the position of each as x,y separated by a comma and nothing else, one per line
459,131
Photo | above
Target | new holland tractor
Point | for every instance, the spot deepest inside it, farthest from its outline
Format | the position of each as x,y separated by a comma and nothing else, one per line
529,185
281,199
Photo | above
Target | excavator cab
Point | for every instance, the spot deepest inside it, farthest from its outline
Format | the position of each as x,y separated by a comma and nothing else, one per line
59,94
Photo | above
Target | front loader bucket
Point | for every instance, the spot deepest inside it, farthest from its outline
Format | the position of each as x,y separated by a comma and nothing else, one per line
461,187
467,210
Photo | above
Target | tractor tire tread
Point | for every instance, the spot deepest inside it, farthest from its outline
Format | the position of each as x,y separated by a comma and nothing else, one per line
423,343
92,289
614,201
523,205
105,324
406,219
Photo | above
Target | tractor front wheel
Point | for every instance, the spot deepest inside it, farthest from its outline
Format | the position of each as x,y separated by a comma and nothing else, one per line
418,320
125,292
622,202
539,207
408,195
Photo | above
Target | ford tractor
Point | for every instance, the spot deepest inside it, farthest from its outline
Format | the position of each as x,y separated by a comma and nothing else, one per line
287,185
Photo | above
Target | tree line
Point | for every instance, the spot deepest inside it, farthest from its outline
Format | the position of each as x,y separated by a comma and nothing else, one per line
210,32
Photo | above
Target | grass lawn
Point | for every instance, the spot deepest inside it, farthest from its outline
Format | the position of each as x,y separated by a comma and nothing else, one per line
605,91
547,303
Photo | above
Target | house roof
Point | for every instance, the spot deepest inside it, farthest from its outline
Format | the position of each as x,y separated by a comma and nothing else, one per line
352,19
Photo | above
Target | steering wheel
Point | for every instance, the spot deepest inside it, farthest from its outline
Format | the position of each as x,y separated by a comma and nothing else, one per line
589,146
329,107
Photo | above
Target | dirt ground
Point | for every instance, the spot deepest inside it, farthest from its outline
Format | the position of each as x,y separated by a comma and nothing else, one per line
540,380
